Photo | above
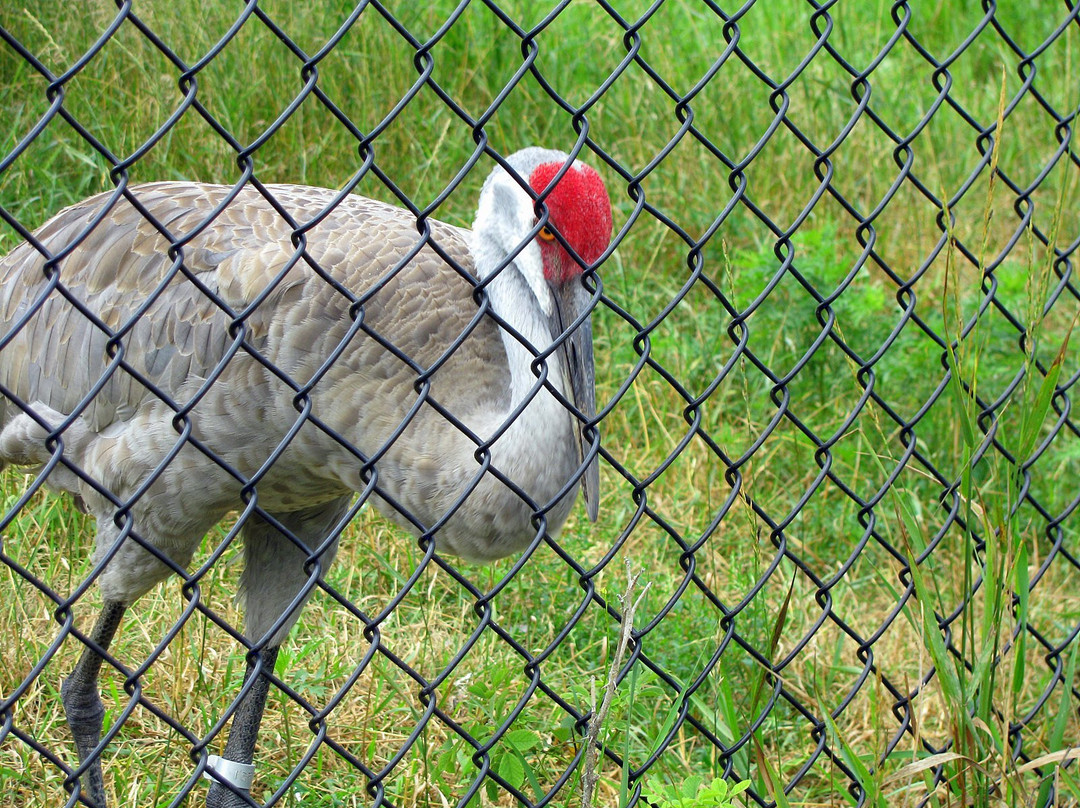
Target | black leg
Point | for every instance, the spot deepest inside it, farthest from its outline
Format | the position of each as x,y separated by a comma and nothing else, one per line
82,701
240,748
274,577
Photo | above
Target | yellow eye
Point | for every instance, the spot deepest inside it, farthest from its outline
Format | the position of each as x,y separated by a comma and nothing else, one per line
546,234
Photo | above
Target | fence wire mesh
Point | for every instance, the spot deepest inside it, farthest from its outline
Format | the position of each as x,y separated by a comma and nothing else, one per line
833,392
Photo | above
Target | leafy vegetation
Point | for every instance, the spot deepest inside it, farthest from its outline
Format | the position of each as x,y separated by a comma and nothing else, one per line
694,794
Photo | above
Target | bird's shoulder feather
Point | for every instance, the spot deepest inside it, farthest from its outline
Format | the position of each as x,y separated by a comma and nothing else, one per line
175,292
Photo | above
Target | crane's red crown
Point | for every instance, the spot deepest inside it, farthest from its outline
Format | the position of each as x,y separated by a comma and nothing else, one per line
580,209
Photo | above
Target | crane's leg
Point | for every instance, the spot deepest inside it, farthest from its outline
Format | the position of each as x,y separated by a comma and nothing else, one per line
240,748
273,583
82,701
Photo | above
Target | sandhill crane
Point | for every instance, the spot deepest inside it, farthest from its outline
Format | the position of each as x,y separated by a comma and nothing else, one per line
224,359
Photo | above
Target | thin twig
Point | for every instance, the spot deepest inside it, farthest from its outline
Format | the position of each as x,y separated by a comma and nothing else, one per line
589,775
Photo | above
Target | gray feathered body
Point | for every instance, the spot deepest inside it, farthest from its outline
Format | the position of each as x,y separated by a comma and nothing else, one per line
174,337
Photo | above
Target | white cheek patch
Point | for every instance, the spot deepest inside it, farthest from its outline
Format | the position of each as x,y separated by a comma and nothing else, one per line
512,207
531,264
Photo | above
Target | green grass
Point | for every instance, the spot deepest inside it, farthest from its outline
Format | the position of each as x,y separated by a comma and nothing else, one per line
126,93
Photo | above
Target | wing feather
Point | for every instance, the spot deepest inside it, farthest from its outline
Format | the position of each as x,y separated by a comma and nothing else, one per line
123,266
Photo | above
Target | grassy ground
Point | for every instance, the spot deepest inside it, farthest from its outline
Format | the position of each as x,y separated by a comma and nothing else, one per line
851,644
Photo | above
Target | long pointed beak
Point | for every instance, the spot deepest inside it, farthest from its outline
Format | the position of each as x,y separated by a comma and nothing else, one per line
571,299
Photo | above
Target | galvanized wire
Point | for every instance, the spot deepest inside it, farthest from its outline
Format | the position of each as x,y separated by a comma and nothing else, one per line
737,752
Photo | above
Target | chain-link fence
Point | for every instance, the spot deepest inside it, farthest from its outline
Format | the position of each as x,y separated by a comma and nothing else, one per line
838,460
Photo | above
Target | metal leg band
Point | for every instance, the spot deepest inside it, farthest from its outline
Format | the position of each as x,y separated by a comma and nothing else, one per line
237,775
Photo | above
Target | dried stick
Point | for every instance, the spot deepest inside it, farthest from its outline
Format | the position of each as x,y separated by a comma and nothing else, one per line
589,775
